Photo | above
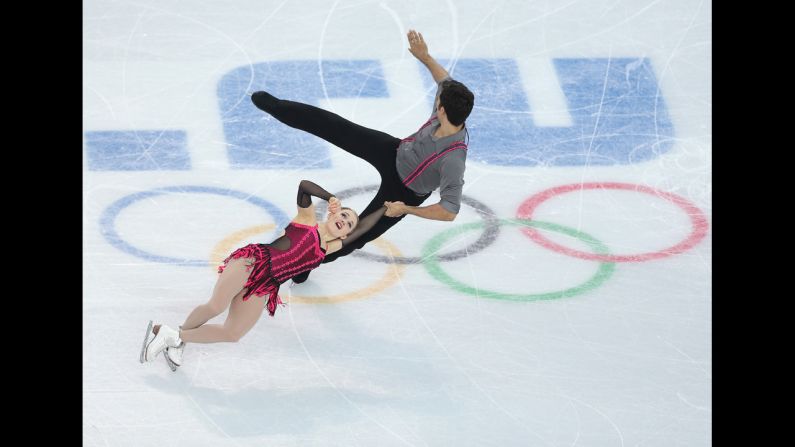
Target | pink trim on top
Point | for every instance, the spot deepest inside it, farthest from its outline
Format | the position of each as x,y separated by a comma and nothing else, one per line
292,222
429,161
411,138
428,123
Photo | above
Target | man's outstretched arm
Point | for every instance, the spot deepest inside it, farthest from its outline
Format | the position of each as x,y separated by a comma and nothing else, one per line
433,212
419,49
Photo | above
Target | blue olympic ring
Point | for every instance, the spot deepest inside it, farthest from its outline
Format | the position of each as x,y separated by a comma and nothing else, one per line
108,219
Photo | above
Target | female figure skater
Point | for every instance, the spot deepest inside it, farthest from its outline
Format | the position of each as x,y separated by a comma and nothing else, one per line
259,270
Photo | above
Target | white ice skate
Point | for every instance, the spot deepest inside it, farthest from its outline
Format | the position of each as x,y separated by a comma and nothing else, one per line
165,337
173,356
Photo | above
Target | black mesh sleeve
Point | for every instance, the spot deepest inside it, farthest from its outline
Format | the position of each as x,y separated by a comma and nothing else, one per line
365,224
307,189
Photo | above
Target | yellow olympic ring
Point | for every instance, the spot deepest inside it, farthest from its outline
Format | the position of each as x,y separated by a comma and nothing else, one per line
393,274
226,246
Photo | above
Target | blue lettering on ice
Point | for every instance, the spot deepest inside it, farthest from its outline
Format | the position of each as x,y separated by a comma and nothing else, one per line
258,141
137,150
617,111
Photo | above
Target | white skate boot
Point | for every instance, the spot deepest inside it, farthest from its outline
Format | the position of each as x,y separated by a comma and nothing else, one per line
165,337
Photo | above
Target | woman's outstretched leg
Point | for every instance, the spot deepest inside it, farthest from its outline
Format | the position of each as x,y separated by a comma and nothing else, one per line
243,315
229,284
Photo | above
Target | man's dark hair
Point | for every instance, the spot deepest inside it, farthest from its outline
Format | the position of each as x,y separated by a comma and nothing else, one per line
457,101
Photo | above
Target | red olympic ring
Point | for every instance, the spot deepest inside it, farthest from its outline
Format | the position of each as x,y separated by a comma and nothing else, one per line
697,219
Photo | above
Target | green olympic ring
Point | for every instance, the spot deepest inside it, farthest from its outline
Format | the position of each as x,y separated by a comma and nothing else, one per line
434,267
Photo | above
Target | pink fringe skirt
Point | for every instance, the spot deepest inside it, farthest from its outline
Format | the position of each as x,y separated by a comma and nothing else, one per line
260,281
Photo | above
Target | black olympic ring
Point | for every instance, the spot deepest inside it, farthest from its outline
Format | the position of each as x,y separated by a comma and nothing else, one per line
490,230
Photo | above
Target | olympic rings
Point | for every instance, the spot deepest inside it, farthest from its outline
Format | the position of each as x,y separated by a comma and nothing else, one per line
490,225
604,271
697,219
108,219
490,232
393,274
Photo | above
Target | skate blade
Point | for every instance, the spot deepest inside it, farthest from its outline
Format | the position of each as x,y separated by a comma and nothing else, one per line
170,364
146,338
